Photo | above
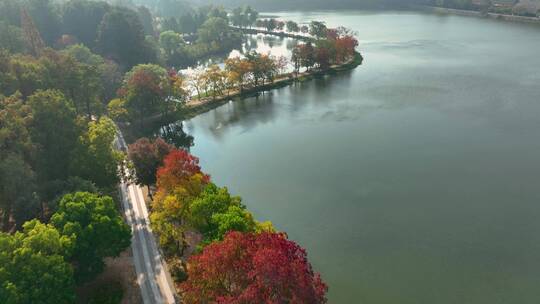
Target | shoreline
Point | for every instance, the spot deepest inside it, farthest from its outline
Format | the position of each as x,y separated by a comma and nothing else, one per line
200,106
255,31
471,13
197,106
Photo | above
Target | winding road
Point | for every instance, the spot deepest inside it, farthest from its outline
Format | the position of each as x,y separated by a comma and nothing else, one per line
152,273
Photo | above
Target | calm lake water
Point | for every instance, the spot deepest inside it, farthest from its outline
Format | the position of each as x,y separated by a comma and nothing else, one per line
414,178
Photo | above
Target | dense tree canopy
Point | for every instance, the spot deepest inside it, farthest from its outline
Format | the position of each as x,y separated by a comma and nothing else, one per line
81,18
34,264
186,200
47,19
55,131
338,46
121,38
46,150
244,16
18,197
169,211
292,26
257,268
147,156
150,89
95,158
173,46
17,152
80,75
177,167
93,94
214,212
317,29
49,146
33,268
214,30
96,228
11,38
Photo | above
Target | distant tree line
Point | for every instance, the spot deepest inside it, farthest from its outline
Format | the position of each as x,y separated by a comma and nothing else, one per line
127,35
150,89
280,5
516,7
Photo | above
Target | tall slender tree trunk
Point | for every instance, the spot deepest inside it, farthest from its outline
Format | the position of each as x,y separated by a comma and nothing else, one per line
149,192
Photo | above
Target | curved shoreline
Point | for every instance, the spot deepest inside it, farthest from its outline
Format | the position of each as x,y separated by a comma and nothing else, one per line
199,106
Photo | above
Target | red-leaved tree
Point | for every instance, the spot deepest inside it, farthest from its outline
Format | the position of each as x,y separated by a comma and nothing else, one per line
253,268
345,47
147,156
177,167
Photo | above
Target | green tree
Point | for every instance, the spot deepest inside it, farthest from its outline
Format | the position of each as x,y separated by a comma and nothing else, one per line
170,42
214,213
235,218
18,196
33,268
187,24
121,37
270,24
307,55
81,19
15,118
21,73
212,200
11,38
295,60
317,29
96,159
251,15
94,89
55,130
95,226
292,27
214,29
237,15
46,16
145,16
218,12
10,11
116,109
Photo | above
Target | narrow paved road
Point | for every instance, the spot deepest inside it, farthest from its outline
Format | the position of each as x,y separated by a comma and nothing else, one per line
152,273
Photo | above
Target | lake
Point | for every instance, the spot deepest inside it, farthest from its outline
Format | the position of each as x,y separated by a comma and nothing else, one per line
414,178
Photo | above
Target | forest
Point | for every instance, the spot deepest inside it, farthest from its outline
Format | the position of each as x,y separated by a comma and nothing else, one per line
70,73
